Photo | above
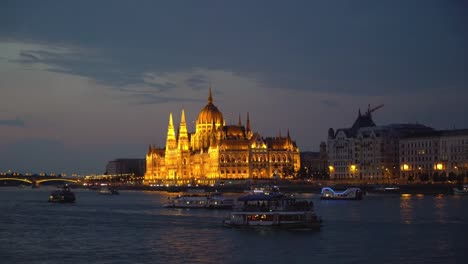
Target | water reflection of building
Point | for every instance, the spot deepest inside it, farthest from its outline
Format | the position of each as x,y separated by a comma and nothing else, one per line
219,151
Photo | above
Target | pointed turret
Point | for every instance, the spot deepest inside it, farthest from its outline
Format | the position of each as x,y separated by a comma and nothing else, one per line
210,97
248,122
171,137
149,149
183,142
240,122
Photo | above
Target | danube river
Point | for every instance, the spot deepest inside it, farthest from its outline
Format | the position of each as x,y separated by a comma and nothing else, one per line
134,228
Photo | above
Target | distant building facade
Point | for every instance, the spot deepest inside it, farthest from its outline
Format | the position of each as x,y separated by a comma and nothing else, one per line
315,164
442,152
367,151
219,151
126,166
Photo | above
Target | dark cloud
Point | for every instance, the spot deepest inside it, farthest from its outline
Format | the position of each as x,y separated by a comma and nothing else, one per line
12,122
149,98
27,57
197,82
367,47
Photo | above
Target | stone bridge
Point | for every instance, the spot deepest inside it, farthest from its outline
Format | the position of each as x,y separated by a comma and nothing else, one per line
35,182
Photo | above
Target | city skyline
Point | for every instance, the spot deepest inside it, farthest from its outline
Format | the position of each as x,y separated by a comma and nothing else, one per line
85,83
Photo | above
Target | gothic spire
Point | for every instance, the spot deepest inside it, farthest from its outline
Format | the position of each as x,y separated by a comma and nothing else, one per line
171,137
248,122
149,149
183,134
210,97
239,123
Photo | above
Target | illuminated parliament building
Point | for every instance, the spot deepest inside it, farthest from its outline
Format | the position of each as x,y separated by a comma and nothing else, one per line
217,151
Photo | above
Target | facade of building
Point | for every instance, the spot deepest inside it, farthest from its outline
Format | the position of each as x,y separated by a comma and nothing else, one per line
126,166
439,152
315,164
367,151
218,151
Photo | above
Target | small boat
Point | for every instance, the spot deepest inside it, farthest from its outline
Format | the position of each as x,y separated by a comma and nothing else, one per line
200,199
461,190
108,191
382,190
273,210
62,196
349,194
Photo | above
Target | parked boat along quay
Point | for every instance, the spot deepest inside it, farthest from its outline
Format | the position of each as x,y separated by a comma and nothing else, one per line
294,187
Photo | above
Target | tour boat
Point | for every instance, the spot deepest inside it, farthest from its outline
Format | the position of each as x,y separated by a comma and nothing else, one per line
200,199
62,196
349,194
273,210
463,190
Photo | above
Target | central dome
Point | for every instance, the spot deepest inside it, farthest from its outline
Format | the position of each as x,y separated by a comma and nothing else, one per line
210,113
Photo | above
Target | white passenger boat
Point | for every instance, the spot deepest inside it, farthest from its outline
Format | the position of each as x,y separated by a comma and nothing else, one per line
273,210
463,190
200,199
349,194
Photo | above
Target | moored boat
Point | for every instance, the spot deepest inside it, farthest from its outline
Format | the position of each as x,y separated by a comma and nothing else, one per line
461,190
348,194
273,210
62,196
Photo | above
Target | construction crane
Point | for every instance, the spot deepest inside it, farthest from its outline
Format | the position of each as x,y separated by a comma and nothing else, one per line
369,110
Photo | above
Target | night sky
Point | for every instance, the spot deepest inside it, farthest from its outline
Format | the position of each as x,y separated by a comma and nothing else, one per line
86,82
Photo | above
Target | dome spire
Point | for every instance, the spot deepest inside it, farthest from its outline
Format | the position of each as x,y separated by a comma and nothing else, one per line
210,97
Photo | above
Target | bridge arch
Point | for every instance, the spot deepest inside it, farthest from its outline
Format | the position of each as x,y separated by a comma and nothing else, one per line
16,179
57,179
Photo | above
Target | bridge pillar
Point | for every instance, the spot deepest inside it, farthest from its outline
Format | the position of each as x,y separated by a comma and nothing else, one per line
34,184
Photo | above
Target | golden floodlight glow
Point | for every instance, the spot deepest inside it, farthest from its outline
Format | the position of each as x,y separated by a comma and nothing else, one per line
439,166
352,168
405,167
331,168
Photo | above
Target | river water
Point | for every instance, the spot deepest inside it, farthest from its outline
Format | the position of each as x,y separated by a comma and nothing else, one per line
134,228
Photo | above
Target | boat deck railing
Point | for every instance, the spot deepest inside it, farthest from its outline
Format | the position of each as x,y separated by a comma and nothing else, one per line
296,206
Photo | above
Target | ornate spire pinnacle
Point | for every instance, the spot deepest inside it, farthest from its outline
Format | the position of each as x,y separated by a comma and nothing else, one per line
171,137
182,119
210,97
183,142
288,134
171,123
149,149
248,122
239,123
279,130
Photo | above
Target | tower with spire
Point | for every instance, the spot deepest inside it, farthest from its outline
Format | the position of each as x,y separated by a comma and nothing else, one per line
218,151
